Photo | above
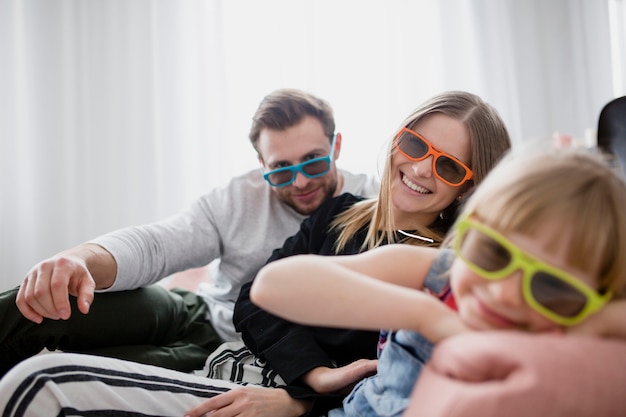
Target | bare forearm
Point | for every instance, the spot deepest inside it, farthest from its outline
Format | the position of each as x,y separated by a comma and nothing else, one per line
327,294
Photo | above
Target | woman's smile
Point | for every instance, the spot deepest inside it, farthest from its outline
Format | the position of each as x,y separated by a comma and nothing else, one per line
415,187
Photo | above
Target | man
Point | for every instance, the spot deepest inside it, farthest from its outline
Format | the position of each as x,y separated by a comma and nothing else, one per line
240,224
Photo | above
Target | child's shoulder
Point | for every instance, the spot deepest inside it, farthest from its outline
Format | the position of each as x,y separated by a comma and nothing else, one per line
438,277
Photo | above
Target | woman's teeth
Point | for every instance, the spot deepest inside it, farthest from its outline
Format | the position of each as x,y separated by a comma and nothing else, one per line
414,187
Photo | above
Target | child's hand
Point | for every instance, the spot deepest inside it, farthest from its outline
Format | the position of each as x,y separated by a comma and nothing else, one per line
445,323
610,321
592,326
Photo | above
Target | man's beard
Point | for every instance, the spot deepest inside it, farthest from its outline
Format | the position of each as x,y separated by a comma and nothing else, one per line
329,192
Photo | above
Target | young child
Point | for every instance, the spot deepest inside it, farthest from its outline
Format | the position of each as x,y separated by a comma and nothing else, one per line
539,248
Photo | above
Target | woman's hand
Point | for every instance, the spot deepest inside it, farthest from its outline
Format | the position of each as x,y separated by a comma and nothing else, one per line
251,402
339,380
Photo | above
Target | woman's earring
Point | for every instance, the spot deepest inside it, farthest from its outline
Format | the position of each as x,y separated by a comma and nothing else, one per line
441,215
460,197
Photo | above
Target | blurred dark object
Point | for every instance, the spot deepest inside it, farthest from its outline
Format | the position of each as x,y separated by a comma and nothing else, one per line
612,131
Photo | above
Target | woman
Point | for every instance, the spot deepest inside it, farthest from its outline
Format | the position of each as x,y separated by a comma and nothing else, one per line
442,150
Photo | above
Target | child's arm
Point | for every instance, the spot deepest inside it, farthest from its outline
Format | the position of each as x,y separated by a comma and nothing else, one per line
365,291
610,321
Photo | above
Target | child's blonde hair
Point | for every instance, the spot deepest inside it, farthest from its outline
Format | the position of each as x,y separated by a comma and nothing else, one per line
574,188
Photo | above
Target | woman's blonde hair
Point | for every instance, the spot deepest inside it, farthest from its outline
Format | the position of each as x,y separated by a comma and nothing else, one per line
489,140
575,189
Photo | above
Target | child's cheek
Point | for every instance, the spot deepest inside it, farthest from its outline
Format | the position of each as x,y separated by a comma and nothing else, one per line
463,283
462,279
539,324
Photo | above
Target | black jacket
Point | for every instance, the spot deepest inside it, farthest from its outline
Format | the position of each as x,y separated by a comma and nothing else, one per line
292,349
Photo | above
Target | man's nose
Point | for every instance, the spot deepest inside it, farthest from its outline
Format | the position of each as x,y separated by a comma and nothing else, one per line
301,180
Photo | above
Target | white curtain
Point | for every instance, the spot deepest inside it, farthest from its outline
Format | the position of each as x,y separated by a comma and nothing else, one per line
120,112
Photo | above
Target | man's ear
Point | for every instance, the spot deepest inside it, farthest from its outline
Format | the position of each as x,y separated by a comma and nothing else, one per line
337,146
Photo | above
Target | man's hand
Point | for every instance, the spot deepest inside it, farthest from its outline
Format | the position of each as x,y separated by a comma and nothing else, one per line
45,291
339,380
251,402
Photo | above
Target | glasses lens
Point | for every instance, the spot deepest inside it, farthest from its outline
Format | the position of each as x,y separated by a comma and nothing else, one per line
450,170
317,168
412,145
557,295
484,252
281,177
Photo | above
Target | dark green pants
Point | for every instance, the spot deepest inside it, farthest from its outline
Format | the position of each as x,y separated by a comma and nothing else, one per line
149,325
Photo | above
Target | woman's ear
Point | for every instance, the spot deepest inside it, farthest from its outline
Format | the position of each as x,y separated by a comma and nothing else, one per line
466,190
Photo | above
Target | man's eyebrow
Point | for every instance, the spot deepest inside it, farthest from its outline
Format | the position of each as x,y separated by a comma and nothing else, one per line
302,158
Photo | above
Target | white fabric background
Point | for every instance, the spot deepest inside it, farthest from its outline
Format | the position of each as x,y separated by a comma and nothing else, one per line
119,112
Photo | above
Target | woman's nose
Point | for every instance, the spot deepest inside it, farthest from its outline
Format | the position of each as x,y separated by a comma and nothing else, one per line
423,168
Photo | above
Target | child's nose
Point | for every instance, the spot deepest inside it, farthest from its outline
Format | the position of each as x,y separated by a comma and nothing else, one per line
508,291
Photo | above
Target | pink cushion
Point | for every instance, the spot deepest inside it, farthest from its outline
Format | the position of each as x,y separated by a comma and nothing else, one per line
495,374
